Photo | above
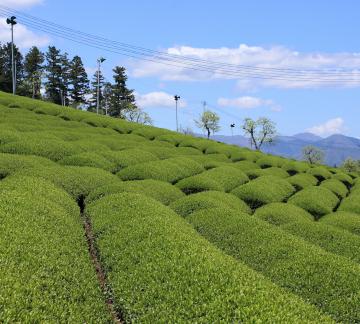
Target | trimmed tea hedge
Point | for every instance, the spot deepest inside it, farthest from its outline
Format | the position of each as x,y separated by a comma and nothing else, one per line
345,220
351,203
336,186
344,178
208,199
324,279
245,165
320,173
302,181
272,171
294,167
264,190
158,190
270,161
318,201
160,270
214,179
88,159
296,222
170,170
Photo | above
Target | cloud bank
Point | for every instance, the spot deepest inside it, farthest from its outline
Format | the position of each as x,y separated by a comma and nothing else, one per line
158,99
248,102
332,126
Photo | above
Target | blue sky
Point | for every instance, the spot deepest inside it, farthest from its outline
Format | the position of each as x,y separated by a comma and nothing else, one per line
290,34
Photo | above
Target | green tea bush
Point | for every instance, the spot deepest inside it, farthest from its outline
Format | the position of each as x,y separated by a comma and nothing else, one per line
88,159
46,272
125,158
345,220
270,161
336,186
149,251
170,170
216,148
344,178
52,149
245,165
351,203
210,161
158,190
197,143
320,173
174,139
302,180
223,178
122,126
208,199
298,222
326,280
170,152
294,167
8,135
150,132
272,171
282,214
264,190
246,155
318,201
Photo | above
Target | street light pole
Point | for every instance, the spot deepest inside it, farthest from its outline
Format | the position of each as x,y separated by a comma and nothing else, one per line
11,21
99,61
176,97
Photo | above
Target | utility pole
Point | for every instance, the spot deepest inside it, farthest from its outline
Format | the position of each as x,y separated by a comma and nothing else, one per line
99,61
204,103
232,129
11,21
176,97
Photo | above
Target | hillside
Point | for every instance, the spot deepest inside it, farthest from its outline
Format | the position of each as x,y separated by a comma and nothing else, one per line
337,147
102,220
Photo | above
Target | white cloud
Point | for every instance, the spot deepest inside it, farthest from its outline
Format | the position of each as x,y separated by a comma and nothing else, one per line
254,59
158,99
248,102
23,37
332,126
20,3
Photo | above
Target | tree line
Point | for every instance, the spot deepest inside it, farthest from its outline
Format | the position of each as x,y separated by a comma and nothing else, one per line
55,77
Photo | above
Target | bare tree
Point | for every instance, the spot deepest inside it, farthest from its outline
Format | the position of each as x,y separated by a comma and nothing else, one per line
260,131
313,154
208,121
137,115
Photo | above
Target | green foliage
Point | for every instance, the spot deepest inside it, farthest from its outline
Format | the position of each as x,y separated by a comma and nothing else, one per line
302,180
245,155
158,190
209,122
165,272
298,222
273,171
318,201
150,132
294,167
46,272
321,173
260,131
264,190
313,154
245,165
324,279
208,199
214,179
346,179
170,170
336,186
345,220
88,159
351,204
270,161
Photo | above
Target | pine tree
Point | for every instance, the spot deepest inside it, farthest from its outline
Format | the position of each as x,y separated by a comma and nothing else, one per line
94,85
65,79
33,71
122,98
54,71
79,82
107,92
6,69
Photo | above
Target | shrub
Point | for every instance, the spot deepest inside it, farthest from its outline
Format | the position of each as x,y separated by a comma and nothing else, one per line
345,220
302,180
125,158
210,161
8,135
344,178
174,139
296,221
88,159
328,281
351,204
149,251
270,161
158,190
318,201
47,275
169,152
264,190
246,155
245,165
282,214
216,148
208,199
336,186
122,126
197,143
170,170
320,173
224,178
150,132
294,167
273,171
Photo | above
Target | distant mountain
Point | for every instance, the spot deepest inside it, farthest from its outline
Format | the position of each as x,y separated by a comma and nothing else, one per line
336,147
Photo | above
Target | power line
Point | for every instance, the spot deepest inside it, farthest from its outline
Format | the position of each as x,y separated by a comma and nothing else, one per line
186,63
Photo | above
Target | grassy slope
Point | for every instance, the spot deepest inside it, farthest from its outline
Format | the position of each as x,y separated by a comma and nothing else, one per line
158,267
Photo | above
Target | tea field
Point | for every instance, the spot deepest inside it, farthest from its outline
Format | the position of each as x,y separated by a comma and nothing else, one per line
102,220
